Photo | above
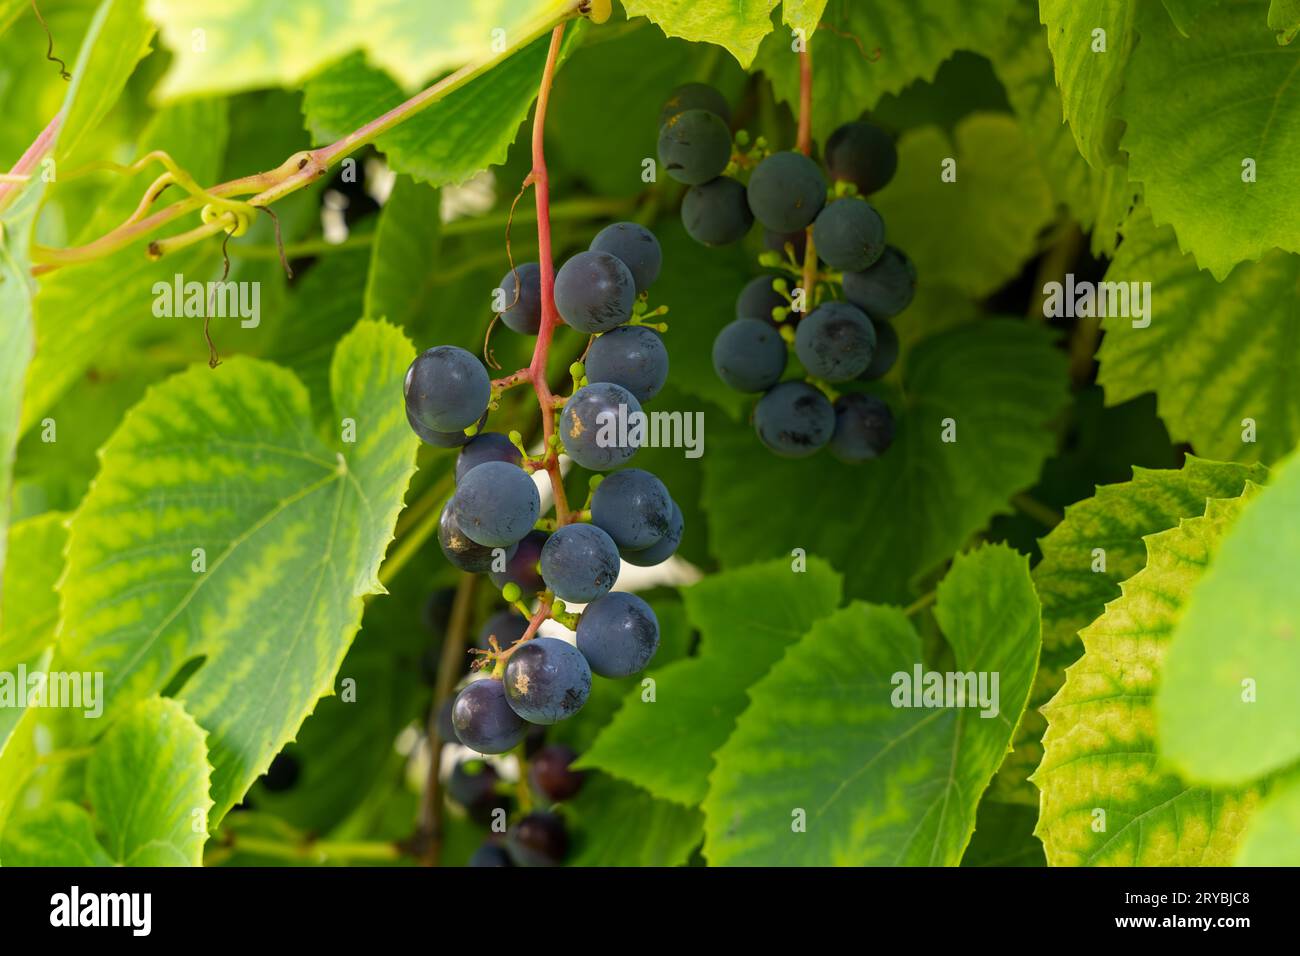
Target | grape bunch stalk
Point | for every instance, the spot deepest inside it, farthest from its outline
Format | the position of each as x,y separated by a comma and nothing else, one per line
829,239
493,522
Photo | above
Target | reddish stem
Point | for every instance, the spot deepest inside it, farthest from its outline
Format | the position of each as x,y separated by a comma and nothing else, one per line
550,318
29,160
805,147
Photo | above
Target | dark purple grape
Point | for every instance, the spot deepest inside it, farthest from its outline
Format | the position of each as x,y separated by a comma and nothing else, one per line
794,420
484,447
489,854
618,634
757,300
885,289
664,548
864,427
749,355
524,314
496,504
786,191
463,551
472,781
596,426
594,292
633,507
580,563
694,146
849,234
550,774
886,354
484,720
446,389
441,439
522,568
539,839
863,154
632,356
547,680
835,342
636,247
717,212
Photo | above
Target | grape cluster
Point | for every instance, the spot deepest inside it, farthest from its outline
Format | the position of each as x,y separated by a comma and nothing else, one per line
835,341
493,522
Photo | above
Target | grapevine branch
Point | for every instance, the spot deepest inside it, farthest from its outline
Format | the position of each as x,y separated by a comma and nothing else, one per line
804,144
223,210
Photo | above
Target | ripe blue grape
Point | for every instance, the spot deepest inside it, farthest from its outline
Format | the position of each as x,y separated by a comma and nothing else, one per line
885,289
618,634
472,782
717,212
525,315
446,389
786,191
636,247
496,504
463,551
664,548
506,625
794,420
547,680
632,356
850,235
864,427
749,355
485,447
550,774
440,439
633,507
592,421
594,292
757,299
539,839
579,563
522,568
484,720
489,854
863,154
835,341
694,146
886,353
695,96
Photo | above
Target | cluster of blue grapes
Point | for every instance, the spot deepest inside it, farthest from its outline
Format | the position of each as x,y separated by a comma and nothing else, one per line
491,523
835,341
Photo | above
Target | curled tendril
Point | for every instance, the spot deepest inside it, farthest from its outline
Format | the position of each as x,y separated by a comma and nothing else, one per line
49,49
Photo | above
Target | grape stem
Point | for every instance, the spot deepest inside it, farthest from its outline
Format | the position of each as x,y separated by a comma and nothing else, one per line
27,163
804,144
546,263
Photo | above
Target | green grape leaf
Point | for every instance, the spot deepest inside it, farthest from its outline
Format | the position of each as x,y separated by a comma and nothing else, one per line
11,10
61,834
1212,363
244,45
293,531
878,783
994,209
1284,17
738,26
746,619
1024,65
1272,837
1184,13
1001,383
868,48
29,606
466,131
1226,712
399,284
148,786
82,310
1108,797
1091,42
1098,545
1196,111
802,14
116,39
617,824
